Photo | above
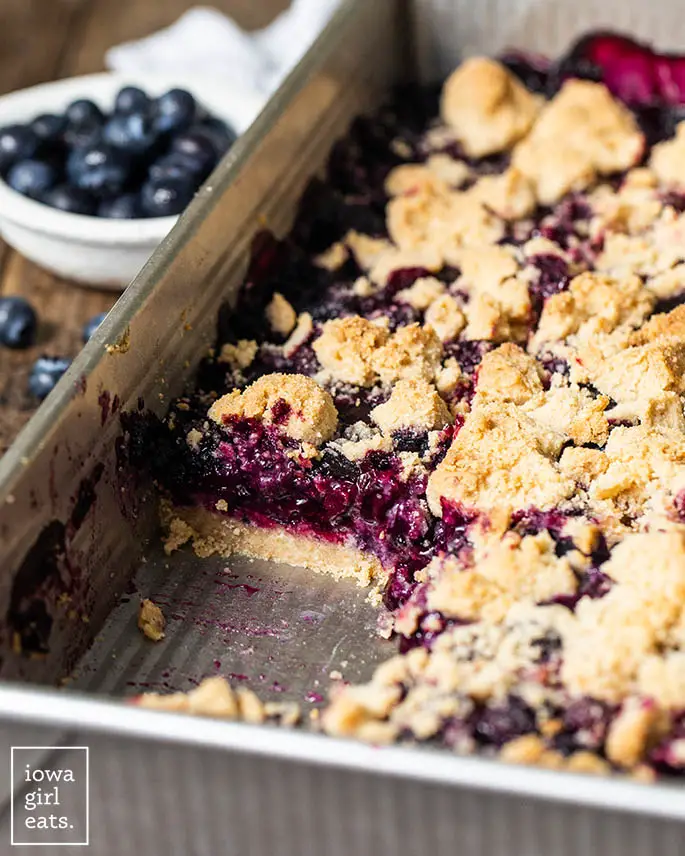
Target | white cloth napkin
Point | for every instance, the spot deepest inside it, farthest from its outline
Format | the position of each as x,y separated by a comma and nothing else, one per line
205,42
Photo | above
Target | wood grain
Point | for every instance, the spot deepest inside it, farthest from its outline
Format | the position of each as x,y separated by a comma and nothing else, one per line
42,40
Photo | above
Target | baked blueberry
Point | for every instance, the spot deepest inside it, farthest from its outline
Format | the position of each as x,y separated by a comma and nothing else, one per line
45,373
175,111
92,324
83,111
124,207
17,142
100,169
65,197
165,196
32,177
131,99
131,132
48,126
18,323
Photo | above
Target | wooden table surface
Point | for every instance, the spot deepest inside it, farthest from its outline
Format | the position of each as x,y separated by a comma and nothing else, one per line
43,40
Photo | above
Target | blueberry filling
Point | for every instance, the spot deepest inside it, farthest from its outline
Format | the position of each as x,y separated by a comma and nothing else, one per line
495,726
666,755
553,277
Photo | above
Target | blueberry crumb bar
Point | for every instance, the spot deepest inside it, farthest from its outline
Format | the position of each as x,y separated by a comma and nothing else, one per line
460,381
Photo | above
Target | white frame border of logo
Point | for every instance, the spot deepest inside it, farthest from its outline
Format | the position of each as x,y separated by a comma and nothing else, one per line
16,787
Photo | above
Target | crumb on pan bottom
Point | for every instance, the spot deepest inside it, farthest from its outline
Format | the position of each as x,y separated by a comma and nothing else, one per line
215,697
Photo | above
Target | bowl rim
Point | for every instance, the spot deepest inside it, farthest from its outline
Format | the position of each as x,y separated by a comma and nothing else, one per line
21,211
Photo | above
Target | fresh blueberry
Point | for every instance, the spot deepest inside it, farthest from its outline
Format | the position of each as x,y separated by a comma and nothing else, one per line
134,132
45,373
166,196
130,99
48,126
100,169
17,142
218,133
174,165
196,148
84,112
18,322
125,207
175,111
32,178
80,135
70,199
91,326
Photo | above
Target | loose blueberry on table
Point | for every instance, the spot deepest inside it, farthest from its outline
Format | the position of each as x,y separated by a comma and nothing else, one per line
45,373
92,324
145,159
460,378
18,323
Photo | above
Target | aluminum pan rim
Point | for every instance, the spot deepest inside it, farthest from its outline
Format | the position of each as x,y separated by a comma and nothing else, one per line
53,707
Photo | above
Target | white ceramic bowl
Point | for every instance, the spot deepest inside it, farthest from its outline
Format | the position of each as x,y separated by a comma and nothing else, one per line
95,250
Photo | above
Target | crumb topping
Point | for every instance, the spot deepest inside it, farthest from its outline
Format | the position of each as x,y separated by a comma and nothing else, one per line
486,107
357,449
411,352
193,438
583,465
499,461
650,253
438,175
445,317
414,403
630,210
420,255
239,356
581,133
665,325
642,373
281,315
499,306
568,409
508,374
422,293
593,305
512,570
366,250
641,463
309,414
426,221
609,638
453,172
334,257
510,195
347,348
667,160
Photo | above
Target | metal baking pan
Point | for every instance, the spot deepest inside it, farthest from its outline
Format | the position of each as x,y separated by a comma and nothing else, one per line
77,533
